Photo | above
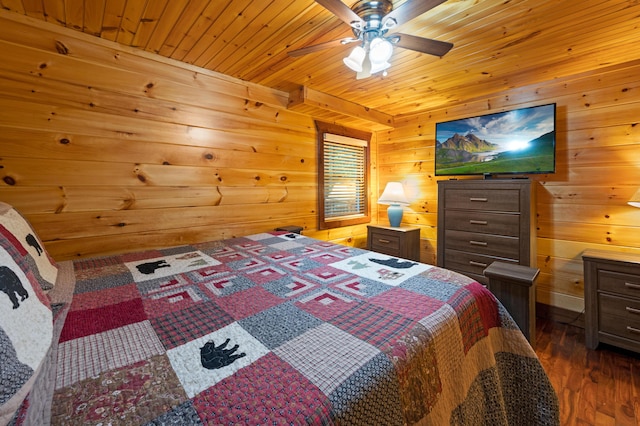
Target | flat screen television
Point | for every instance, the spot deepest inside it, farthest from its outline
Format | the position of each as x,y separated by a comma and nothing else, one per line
521,141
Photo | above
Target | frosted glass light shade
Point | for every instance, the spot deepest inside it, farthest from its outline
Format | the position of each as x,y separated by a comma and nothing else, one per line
379,66
635,199
380,50
366,69
355,58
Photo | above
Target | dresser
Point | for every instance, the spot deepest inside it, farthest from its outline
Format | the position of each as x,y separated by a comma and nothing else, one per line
484,220
612,299
403,241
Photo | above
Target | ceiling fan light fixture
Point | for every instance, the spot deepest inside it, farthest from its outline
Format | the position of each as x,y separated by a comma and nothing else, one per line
370,21
376,67
355,59
389,23
366,69
380,50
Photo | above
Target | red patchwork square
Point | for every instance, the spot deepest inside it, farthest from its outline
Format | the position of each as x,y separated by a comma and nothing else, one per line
325,304
171,294
140,255
97,320
265,274
373,324
249,302
269,391
109,296
477,312
176,328
407,303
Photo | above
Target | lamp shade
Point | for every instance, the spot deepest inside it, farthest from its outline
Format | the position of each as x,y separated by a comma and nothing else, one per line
635,199
394,196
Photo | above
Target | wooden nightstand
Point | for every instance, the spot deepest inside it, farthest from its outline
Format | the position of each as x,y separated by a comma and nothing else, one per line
403,241
612,299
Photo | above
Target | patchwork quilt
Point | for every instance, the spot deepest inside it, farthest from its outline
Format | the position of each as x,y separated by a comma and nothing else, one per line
279,328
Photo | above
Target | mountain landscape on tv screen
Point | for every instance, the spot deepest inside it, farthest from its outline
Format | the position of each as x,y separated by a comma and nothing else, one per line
469,154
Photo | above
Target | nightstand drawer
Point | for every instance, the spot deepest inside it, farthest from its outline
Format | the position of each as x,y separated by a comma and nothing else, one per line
620,283
383,242
486,223
487,244
619,316
505,200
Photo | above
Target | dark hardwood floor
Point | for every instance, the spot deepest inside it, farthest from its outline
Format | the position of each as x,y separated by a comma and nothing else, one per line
595,387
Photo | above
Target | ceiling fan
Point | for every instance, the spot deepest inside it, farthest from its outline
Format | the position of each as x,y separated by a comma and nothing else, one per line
372,23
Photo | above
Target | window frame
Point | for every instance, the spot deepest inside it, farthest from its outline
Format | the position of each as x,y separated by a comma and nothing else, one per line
348,219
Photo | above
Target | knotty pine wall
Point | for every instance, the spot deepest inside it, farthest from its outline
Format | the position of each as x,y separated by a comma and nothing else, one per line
106,149
583,205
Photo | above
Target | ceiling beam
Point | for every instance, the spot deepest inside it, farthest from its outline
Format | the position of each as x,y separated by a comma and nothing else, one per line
305,100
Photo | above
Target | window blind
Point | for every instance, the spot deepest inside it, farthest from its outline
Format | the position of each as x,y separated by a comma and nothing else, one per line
344,177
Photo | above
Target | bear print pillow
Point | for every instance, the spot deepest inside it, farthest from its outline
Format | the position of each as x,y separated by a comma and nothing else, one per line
16,228
26,328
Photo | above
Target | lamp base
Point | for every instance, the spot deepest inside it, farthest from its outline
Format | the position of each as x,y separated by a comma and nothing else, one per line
395,215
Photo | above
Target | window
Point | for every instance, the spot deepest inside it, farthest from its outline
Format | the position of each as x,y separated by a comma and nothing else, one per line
343,172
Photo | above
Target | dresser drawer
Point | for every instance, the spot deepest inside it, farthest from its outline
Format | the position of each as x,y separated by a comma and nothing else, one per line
505,200
618,282
486,244
619,316
471,263
486,223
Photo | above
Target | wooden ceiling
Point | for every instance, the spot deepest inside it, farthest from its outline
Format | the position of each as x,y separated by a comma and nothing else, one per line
498,44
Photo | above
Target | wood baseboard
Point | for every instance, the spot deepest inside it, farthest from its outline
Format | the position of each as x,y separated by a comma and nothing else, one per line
560,315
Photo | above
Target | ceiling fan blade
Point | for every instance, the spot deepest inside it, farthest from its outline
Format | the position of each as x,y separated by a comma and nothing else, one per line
424,45
320,46
408,10
342,11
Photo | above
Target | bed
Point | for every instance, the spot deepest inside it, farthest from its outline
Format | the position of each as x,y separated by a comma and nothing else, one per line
272,328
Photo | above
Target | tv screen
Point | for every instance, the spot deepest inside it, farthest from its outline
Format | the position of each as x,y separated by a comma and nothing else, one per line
520,141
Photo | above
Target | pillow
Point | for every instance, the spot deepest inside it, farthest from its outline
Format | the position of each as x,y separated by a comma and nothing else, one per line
26,326
16,228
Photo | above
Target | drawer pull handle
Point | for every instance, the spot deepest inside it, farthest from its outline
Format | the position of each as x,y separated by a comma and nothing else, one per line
632,285
380,240
478,222
479,199
633,310
633,330
472,263
478,243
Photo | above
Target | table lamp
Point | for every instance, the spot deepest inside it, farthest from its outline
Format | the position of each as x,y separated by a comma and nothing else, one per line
394,196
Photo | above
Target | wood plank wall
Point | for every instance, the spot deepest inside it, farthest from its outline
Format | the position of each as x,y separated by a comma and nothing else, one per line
106,149
583,205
